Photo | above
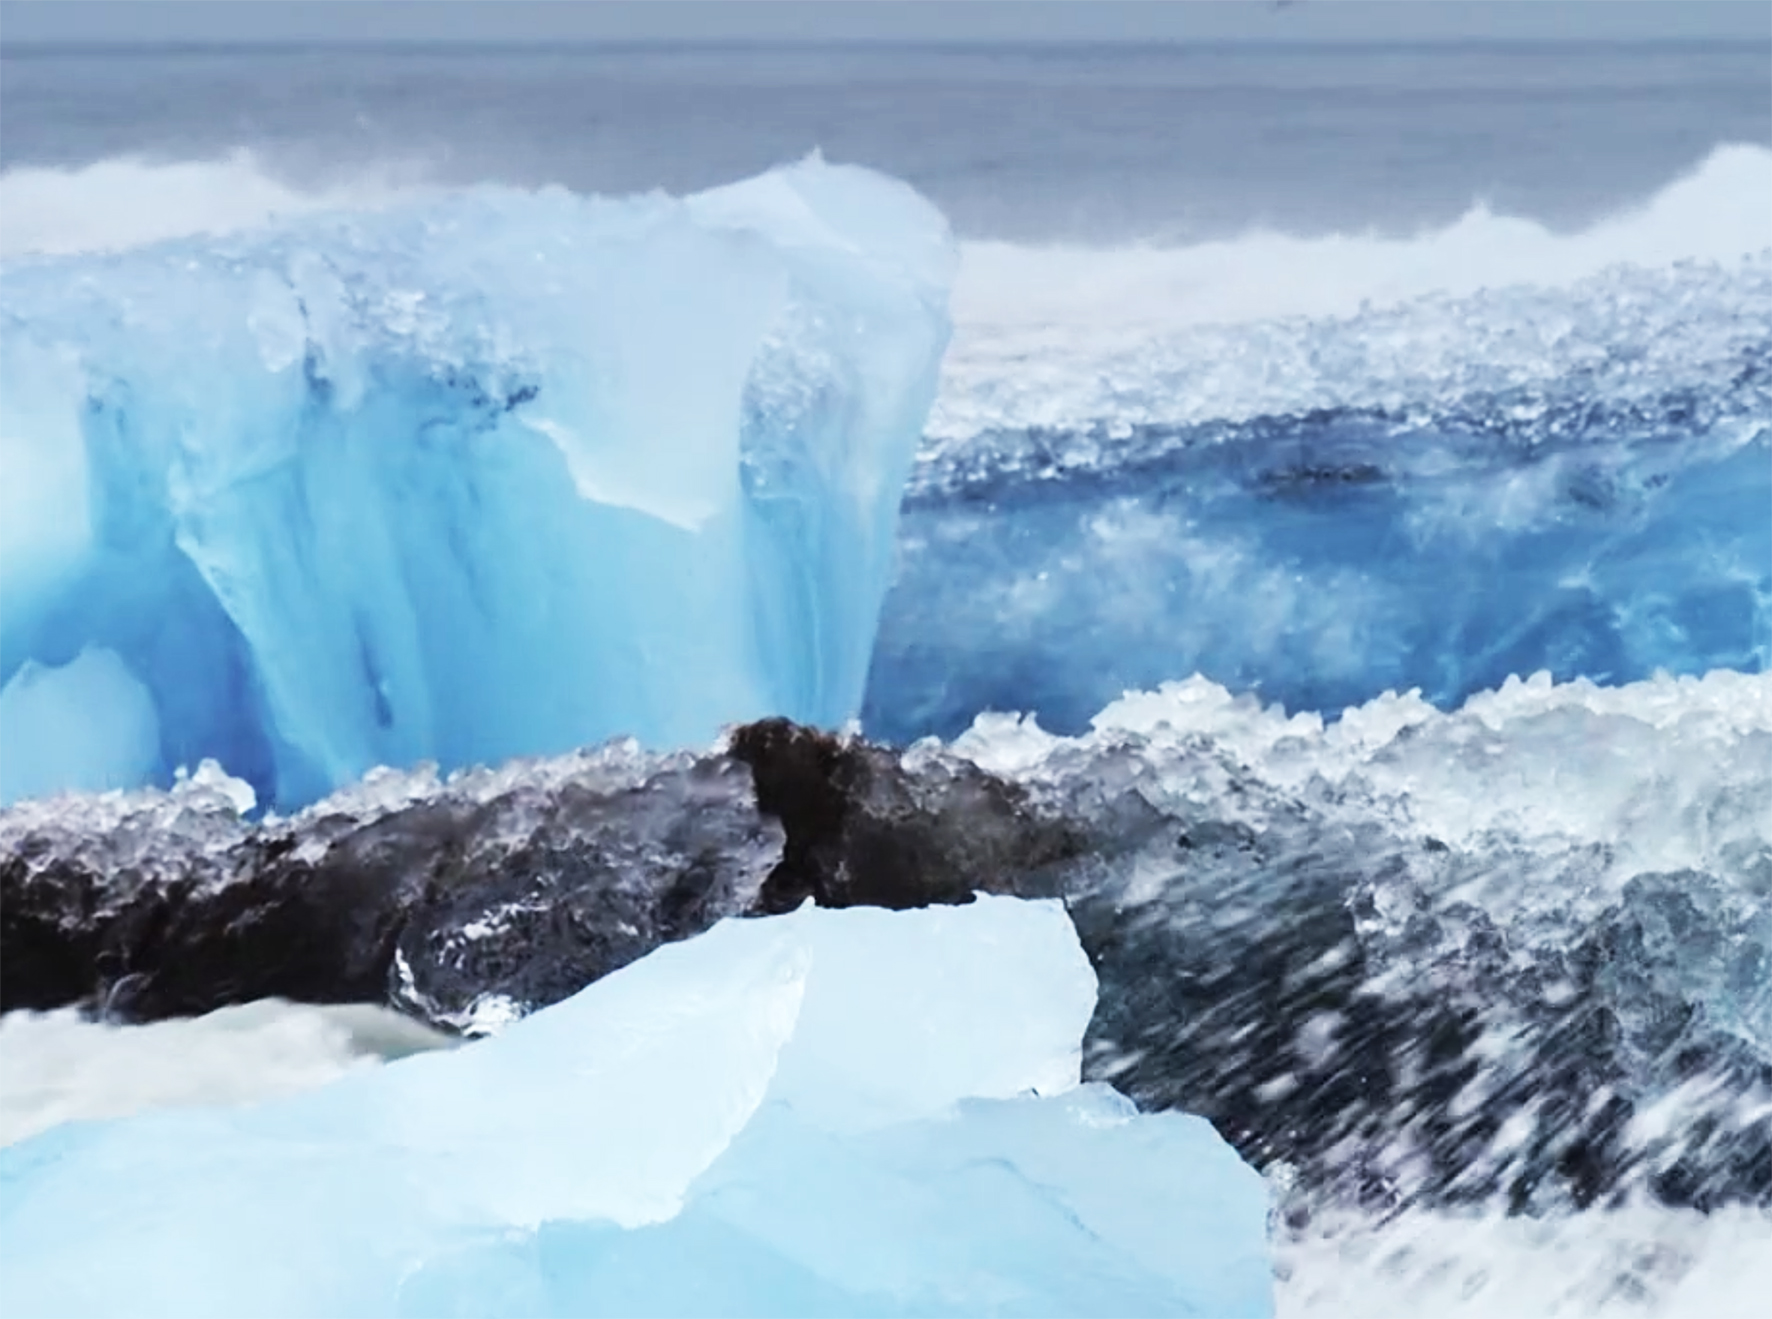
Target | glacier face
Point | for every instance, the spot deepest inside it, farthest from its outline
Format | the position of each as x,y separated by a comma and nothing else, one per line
827,1113
492,474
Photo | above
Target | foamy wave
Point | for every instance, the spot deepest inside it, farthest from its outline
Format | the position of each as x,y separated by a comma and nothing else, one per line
1639,1262
1064,340
127,202
61,1067
1719,211
1665,767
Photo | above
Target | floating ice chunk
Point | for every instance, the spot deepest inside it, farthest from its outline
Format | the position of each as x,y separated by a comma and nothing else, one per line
487,475
1568,470
705,1131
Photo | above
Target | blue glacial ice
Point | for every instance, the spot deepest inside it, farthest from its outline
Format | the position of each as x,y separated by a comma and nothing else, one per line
1320,469
830,1113
493,474
1435,496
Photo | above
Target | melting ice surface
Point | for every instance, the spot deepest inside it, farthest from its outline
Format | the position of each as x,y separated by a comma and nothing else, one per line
466,478
830,1113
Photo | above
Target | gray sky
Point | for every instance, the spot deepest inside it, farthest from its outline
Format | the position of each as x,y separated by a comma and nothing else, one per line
24,22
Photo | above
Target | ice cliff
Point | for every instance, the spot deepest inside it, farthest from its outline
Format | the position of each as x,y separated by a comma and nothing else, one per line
493,474
828,1113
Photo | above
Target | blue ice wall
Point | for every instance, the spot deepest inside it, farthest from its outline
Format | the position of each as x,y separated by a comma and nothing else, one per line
497,474
1586,490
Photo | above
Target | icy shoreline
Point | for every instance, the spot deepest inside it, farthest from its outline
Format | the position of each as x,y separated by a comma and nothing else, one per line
1400,954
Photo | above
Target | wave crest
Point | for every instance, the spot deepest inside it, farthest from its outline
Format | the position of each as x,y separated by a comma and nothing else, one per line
1716,212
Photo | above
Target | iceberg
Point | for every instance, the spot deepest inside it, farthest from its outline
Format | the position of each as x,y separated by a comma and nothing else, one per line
492,474
1438,495
824,1113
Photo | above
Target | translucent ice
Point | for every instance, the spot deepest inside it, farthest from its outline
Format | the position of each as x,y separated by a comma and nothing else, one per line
1322,469
86,725
495,474
1445,494
834,1112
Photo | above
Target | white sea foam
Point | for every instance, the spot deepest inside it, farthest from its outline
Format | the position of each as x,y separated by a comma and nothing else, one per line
1721,210
112,205
1659,775
58,1067
1070,338
1641,1262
